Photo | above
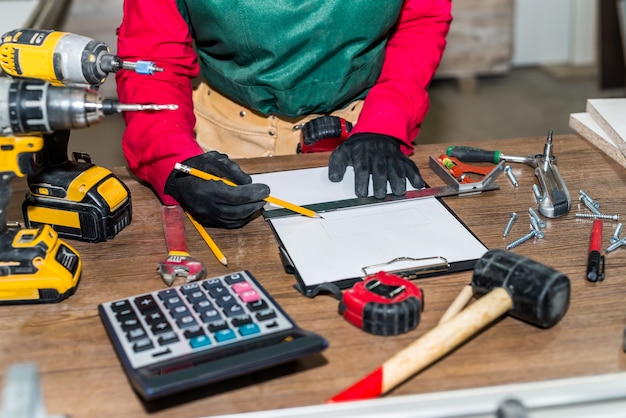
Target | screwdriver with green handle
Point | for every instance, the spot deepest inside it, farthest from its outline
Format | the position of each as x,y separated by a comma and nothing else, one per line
471,154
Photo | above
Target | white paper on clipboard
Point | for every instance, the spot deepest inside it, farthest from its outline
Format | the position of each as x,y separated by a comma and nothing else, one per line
338,247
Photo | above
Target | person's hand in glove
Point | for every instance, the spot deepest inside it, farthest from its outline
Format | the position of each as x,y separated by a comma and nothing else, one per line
378,155
214,203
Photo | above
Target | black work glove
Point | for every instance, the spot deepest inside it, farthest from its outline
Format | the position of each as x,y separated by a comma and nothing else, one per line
214,203
378,155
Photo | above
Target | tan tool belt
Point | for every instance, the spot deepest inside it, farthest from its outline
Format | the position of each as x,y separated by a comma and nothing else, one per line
228,127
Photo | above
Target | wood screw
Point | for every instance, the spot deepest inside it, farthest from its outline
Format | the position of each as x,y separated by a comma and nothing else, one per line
522,240
509,224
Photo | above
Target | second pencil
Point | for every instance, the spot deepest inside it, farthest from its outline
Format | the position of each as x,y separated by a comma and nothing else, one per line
209,241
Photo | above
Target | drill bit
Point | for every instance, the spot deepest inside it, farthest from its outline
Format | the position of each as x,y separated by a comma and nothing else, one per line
134,107
109,107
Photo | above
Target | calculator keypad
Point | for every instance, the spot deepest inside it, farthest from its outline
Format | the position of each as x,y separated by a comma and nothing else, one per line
202,315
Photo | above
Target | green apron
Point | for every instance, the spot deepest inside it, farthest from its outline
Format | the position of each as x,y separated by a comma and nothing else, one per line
291,57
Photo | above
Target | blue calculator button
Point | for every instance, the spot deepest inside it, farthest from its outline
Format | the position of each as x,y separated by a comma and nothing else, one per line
249,329
200,341
225,335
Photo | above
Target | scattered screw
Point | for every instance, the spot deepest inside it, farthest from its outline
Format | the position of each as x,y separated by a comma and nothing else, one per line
511,176
589,204
537,193
616,245
535,225
584,195
598,216
509,224
521,240
616,234
533,214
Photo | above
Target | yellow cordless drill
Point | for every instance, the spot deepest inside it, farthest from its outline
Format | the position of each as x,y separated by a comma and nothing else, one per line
53,90
79,199
62,58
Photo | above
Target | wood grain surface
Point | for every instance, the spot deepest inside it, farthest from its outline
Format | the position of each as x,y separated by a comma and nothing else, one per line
82,377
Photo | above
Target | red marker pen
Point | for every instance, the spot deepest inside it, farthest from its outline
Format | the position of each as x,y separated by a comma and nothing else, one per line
595,262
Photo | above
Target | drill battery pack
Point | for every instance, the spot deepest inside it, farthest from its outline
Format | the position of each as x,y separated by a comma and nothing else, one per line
79,200
36,266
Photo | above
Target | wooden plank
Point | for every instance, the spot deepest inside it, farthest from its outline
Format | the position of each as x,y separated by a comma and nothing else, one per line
609,115
585,125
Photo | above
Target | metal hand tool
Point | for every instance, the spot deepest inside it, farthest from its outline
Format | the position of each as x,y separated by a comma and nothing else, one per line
465,177
178,261
555,199
462,170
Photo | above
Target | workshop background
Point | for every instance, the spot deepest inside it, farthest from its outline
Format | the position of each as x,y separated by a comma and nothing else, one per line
511,69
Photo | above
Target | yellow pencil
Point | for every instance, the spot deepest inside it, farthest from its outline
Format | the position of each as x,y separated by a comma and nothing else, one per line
209,241
206,176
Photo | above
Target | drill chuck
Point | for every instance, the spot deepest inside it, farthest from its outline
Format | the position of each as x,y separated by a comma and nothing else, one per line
112,63
38,107
35,106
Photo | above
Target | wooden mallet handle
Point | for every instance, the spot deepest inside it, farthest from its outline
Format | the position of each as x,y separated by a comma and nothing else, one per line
461,301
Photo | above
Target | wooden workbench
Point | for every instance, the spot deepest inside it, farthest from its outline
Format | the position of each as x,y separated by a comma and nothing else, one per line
81,376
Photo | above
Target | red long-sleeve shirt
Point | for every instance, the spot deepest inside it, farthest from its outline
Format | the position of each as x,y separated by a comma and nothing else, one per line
154,30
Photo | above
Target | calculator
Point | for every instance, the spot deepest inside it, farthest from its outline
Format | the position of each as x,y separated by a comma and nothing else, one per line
202,332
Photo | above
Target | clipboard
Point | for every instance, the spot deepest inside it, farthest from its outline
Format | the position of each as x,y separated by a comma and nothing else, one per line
411,237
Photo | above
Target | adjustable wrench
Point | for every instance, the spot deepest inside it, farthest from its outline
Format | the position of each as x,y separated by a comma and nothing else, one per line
178,261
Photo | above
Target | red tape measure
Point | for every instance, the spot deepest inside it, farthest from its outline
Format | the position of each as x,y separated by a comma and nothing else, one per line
383,304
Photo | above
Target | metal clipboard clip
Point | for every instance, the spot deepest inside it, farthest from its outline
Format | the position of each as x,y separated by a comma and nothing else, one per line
410,268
